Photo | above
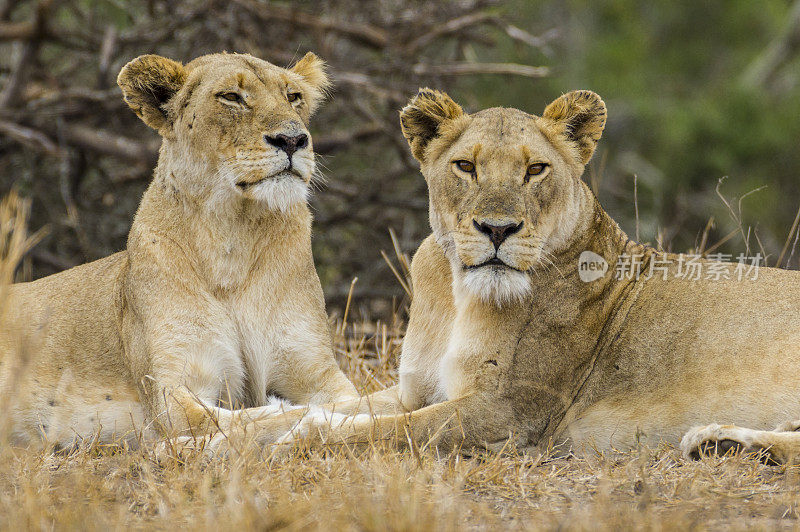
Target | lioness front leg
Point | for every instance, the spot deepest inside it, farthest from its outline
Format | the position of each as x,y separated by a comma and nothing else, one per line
471,421
308,375
199,416
306,371
243,434
775,447
185,356
274,428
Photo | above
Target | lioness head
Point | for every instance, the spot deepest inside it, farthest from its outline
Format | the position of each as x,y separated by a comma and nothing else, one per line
504,185
234,126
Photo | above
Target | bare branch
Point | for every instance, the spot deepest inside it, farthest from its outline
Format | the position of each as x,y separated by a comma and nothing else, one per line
362,33
79,96
110,144
17,31
106,53
534,41
327,144
30,137
778,53
468,69
25,54
51,259
452,26
368,83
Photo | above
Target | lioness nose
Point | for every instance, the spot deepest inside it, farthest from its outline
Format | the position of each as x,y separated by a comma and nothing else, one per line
497,233
287,143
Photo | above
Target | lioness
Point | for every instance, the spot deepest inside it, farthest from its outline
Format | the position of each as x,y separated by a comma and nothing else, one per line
507,342
215,305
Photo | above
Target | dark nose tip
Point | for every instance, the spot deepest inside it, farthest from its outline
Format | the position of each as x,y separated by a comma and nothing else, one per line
497,233
287,143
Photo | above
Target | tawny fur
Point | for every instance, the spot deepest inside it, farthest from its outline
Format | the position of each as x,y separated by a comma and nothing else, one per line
215,305
605,364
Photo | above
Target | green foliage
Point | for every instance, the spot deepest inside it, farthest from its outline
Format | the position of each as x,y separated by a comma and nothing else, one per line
680,116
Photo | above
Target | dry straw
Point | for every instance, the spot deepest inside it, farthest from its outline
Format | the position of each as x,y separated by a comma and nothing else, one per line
14,239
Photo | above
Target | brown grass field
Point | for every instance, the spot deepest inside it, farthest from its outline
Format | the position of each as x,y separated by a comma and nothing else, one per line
380,488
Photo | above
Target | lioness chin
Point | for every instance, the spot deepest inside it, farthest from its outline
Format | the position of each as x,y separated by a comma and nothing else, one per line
215,305
506,342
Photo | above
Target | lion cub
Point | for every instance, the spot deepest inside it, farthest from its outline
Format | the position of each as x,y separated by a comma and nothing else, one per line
215,305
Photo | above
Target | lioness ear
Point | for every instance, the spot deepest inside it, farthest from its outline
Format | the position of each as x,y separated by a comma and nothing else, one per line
581,117
148,82
421,118
312,69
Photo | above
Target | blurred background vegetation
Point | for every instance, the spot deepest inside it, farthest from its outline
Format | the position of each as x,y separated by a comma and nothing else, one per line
696,92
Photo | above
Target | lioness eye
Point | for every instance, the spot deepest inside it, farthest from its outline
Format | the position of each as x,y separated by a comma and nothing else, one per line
293,96
230,96
465,166
536,169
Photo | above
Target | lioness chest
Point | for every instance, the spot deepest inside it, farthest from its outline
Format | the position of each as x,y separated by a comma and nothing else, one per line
256,342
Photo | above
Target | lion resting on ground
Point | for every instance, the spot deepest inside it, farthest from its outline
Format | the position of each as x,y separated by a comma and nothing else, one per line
505,341
215,305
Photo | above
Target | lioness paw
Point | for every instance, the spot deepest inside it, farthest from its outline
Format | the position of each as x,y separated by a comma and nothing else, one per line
185,447
789,426
721,440
320,426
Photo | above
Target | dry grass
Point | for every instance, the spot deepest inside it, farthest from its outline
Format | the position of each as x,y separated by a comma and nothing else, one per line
385,489
14,239
376,491
381,489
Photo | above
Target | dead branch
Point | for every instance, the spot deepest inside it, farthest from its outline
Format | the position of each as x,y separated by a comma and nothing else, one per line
26,50
779,52
453,26
469,69
362,33
534,41
108,143
30,137
368,83
17,31
328,144
51,259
